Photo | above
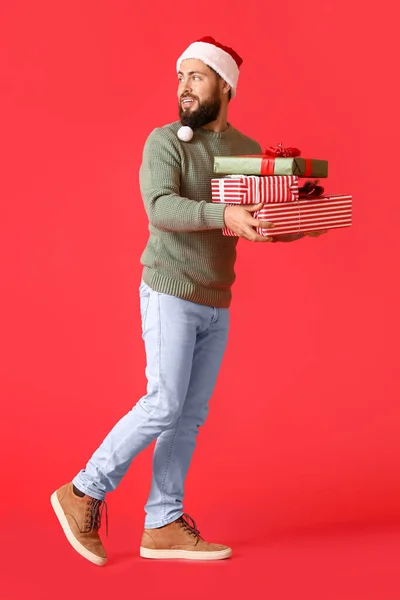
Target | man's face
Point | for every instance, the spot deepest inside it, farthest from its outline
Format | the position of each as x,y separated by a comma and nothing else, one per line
199,94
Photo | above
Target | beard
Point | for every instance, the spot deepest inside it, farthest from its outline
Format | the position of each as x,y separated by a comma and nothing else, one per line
206,113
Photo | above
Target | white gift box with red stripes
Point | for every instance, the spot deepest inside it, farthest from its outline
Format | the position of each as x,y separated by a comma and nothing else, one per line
283,207
252,189
327,212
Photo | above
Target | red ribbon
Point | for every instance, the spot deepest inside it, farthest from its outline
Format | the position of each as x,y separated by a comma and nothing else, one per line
308,170
267,166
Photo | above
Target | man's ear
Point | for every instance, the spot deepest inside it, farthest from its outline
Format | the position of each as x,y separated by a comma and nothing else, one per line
226,88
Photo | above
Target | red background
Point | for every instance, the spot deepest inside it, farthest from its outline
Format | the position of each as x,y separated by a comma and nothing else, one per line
298,464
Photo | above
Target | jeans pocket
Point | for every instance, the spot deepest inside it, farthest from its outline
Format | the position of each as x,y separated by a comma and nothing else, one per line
143,287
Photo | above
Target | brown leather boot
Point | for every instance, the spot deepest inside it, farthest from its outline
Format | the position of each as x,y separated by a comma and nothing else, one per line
80,518
180,539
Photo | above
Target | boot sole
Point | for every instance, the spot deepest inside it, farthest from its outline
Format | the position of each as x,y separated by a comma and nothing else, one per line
97,560
186,554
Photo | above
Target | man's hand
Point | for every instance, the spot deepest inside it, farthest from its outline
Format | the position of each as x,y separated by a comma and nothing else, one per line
240,220
315,233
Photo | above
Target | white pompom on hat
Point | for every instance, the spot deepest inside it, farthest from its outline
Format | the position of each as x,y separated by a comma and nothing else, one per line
222,59
185,133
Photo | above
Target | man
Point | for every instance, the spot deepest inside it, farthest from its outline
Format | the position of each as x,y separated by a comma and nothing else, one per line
188,271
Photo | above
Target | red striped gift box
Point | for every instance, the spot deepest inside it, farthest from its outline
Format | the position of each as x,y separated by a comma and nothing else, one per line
251,189
327,212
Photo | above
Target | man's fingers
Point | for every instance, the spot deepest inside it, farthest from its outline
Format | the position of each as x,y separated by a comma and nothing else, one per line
316,233
262,238
253,236
263,224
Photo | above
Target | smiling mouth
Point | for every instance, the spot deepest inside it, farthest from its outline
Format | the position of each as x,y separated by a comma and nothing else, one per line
187,102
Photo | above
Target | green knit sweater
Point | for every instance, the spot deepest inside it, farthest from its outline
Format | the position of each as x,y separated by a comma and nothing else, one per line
186,254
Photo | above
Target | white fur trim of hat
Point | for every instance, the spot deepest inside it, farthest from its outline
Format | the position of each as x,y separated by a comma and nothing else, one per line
222,59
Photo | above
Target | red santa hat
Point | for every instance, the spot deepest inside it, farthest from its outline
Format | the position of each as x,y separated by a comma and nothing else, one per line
223,60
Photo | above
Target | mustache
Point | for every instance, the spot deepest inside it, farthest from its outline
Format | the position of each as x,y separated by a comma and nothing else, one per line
186,95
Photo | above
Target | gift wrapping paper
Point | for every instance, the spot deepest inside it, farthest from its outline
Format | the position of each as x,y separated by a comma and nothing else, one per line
327,212
259,164
252,189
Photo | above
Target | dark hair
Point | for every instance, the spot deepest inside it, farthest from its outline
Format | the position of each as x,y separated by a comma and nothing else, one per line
219,77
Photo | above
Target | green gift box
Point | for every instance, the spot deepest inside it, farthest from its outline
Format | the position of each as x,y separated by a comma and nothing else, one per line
260,164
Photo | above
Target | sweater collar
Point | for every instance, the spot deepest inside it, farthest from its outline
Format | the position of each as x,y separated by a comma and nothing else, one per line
215,134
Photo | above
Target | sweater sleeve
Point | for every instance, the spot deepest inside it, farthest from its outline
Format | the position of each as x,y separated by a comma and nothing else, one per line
166,209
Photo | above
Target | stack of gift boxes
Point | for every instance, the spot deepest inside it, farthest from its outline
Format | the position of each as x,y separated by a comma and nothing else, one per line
273,178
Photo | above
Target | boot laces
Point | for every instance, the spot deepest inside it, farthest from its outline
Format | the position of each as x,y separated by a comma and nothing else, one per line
189,525
94,513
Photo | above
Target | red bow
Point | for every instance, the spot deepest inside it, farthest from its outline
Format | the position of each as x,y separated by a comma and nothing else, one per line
311,189
276,151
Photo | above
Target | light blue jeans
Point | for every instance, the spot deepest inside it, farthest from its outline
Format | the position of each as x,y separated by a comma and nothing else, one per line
184,343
